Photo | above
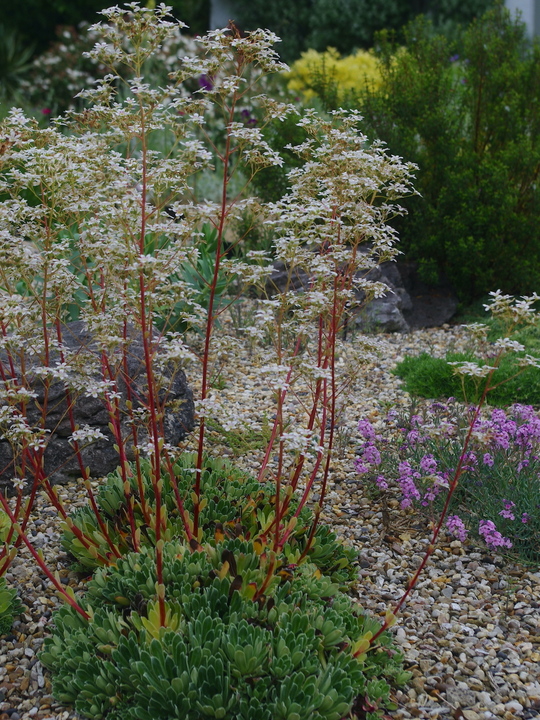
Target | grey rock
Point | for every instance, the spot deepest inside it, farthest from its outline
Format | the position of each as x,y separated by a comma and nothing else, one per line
407,304
60,464
384,314
460,697
283,278
381,314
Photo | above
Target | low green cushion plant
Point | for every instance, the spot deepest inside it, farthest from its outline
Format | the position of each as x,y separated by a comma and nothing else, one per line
431,377
234,504
9,601
296,653
246,629
9,606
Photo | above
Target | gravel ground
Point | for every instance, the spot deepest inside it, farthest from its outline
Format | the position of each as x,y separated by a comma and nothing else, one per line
470,630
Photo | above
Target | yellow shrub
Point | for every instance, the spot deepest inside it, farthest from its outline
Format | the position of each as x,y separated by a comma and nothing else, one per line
350,73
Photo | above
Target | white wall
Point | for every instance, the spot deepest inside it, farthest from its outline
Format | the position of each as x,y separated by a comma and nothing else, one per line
530,13
220,13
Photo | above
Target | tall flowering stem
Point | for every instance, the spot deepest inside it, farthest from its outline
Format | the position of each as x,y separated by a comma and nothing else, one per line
113,225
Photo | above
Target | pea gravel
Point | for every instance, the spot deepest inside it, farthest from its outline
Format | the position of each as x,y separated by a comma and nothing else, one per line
470,631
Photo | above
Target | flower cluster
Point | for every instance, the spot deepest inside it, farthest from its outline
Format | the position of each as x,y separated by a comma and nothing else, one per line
492,536
419,454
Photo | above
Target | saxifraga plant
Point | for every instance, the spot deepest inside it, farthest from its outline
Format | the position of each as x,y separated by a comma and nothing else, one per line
10,604
235,505
298,651
98,171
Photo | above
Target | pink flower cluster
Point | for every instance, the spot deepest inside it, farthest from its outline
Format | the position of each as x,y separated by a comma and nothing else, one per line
492,537
456,527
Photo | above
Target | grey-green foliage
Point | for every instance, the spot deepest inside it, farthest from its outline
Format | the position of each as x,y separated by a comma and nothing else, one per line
287,656
15,56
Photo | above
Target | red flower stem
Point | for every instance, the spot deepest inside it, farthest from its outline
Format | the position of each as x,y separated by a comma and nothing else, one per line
453,485
40,562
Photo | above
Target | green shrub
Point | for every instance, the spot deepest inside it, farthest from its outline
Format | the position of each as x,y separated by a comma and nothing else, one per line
272,183
346,24
433,378
290,654
471,123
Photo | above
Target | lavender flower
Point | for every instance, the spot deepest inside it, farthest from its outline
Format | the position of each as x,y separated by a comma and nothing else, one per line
507,512
428,464
366,429
488,459
456,527
371,455
492,537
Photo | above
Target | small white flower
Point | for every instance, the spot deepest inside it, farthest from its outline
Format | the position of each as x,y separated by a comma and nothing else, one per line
509,345
471,369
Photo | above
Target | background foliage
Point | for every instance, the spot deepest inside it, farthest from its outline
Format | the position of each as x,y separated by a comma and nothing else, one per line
47,15
346,24
471,123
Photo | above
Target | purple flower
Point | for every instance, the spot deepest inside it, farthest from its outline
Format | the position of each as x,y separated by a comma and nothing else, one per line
205,82
454,58
428,464
371,455
46,111
366,429
488,460
492,537
406,482
507,512
523,464
405,468
469,460
381,483
525,517
456,527
413,437
360,467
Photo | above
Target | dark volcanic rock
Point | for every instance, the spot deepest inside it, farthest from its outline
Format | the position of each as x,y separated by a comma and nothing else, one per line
100,456
407,304
431,306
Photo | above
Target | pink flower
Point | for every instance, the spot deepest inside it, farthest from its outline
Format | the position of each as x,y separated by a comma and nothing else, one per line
46,111
492,536
366,429
507,512
456,527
